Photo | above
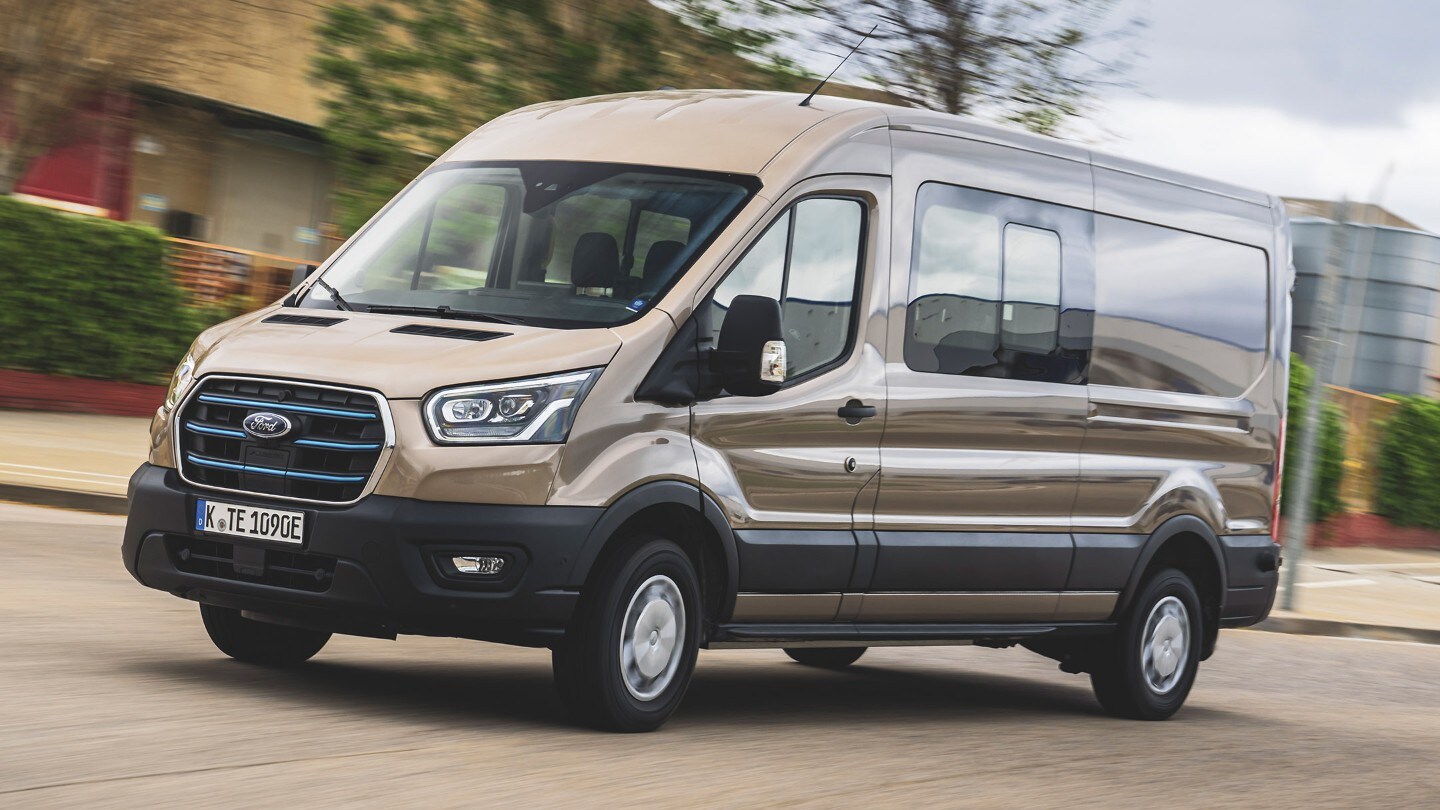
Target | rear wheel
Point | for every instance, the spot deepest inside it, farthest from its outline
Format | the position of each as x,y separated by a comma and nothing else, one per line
259,642
1147,669
626,661
826,657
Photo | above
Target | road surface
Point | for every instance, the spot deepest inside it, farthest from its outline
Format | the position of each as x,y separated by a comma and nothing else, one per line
111,695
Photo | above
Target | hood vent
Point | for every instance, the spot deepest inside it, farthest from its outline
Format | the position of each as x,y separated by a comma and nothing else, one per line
303,320
447,332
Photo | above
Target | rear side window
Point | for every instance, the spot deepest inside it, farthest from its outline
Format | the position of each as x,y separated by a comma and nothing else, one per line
1175,311
985,289
809,260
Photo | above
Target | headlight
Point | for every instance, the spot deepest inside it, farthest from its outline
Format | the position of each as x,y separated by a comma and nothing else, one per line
180,382
538,411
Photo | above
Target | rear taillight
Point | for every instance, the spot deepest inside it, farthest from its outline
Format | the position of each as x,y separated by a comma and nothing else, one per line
1279,473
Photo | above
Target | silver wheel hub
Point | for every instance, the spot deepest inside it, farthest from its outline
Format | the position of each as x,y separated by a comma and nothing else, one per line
652,637
1165,645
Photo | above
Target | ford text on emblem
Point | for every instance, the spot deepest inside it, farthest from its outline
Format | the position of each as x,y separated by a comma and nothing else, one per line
266,425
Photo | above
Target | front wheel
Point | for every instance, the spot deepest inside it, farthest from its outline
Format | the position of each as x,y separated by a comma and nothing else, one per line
627,658
259,642
1149,666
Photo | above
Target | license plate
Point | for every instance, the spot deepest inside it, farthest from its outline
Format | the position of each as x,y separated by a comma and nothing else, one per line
277,525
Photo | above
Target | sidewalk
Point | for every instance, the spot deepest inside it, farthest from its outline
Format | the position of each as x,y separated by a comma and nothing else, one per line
1380,593
78,461
81,461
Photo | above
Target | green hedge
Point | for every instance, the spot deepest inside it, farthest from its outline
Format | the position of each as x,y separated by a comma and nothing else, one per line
1409,464
88,297
1331,448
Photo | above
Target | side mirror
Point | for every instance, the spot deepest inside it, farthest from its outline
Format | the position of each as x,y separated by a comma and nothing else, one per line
749,356
302,272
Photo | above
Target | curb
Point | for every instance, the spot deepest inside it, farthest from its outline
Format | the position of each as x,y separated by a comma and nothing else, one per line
65,499
1299,625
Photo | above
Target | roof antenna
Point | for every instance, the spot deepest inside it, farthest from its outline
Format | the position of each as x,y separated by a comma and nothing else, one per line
806,102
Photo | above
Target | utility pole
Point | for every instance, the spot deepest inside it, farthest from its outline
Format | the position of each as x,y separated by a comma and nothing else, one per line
1297,522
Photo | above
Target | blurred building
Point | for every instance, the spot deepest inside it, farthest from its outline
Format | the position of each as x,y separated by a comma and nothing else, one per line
226,150
1388,316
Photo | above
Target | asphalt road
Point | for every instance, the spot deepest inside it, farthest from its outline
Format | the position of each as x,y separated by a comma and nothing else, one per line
111,695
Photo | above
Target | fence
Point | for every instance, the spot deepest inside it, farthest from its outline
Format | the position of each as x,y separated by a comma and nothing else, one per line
216,274
1365,416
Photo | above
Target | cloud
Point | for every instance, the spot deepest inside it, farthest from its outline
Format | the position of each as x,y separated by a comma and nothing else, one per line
1333,61
1284,153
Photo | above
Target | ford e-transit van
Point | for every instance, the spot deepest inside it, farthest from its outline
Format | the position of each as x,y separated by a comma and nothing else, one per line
632,376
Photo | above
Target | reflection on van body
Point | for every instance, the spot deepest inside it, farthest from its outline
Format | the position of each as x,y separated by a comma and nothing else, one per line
632,376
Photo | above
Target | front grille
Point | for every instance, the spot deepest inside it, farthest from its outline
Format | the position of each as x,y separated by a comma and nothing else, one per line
268,566
335,442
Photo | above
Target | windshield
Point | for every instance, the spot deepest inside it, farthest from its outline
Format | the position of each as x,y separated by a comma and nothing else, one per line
546,243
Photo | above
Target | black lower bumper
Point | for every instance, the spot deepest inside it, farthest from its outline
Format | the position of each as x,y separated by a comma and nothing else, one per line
1252,574
375,568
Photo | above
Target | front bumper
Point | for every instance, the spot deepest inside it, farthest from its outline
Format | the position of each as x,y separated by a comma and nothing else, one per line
376,564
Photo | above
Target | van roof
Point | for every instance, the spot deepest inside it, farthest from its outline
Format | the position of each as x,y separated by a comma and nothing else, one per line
742,131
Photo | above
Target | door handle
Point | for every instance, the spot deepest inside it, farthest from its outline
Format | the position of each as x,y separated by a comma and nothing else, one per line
855,410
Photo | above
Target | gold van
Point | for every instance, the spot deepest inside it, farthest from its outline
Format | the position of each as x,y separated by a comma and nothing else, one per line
632,376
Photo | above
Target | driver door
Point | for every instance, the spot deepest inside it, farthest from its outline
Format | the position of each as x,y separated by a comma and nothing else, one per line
788,467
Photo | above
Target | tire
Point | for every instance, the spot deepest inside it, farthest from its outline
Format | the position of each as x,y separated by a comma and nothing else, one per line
1148,667
253,642
826,657
602,682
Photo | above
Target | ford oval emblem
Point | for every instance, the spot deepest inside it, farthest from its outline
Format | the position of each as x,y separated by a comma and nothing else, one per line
266,425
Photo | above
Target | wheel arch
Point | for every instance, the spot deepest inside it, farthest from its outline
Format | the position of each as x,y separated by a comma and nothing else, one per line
1188,543
678,511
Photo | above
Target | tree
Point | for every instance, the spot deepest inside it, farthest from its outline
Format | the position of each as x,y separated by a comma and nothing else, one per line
57,55
1032,62
1330,456
406,80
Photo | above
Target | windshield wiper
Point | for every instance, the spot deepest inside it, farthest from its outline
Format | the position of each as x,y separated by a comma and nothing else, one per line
335,296
442,311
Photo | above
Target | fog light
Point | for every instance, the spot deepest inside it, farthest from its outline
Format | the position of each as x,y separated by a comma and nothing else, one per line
485,566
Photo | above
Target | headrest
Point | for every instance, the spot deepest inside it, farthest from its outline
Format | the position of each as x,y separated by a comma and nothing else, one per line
659,259
596,261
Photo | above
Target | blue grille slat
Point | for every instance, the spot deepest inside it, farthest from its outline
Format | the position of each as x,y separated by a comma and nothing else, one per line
216,399
357,448
251,468
207,430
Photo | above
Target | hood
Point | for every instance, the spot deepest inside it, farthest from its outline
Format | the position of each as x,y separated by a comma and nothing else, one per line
362,350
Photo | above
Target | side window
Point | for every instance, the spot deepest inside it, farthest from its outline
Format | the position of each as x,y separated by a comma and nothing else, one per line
809,260
1030,317
985,289
1176,311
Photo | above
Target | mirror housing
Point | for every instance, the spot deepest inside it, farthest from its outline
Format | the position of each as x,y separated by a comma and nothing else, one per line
749,356
301,272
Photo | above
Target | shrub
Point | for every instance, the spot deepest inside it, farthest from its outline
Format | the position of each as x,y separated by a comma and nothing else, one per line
1409,464
88,297
1330,452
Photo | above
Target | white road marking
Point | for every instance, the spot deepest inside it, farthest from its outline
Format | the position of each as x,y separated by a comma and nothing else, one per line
59,470
91,481
1370,566
1336,583
1344,638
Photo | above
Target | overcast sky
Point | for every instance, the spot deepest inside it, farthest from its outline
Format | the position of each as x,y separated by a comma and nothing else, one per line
1303,98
